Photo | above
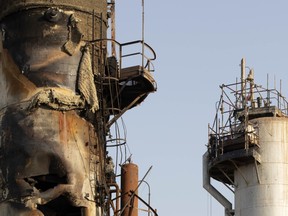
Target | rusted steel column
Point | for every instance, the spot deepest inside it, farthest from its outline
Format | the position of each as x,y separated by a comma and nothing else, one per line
129,183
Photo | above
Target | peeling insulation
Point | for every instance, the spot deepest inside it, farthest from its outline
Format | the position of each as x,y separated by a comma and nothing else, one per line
86,81
58,99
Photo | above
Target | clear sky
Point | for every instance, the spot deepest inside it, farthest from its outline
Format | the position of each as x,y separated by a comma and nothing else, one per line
199,46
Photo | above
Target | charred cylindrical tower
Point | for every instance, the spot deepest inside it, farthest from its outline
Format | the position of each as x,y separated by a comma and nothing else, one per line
248,149
52,153
60,94
45,40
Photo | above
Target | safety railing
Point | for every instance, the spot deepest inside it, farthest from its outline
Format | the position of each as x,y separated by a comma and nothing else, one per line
130,50
233,110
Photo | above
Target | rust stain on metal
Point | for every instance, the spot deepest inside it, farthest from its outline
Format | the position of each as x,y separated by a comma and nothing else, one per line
129,187
57,106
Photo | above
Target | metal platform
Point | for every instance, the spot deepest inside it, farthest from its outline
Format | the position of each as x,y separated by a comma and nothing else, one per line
136,83
267,111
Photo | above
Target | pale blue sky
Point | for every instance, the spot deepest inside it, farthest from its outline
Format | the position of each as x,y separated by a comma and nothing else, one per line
199,46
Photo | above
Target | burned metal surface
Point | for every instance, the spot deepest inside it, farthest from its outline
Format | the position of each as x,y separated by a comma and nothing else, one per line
49,151
47,156
86,6
40,46
129,186
57,107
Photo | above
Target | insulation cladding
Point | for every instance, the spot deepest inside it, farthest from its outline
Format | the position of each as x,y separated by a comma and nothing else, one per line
51,152
262,190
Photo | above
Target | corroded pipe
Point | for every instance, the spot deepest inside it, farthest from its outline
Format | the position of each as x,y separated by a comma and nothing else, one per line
117,191
129,186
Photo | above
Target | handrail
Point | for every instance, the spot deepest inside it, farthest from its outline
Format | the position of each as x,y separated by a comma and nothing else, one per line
230,114
121,55
140,41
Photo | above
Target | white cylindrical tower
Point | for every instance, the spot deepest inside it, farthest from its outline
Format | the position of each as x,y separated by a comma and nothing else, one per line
248,149
261,189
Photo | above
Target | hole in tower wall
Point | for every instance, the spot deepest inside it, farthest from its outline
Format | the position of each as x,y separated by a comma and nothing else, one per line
60,206
45,182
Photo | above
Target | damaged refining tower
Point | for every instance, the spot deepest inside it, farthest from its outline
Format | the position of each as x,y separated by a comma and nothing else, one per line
63,86
248,148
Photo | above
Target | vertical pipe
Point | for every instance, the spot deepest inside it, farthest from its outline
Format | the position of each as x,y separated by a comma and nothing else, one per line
101,43
268,92
267,81
217,133
280,96
209,144
117,191
113,28
143,34
236,95
252,88
129,185
93,45
243,75
212,190
281,87
149,196
120,61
